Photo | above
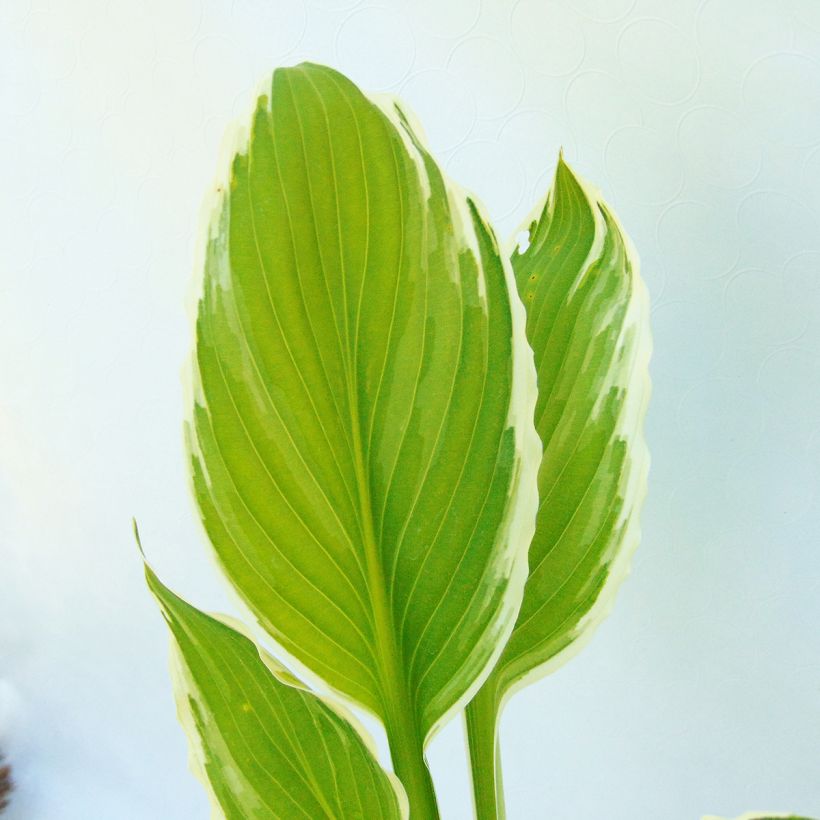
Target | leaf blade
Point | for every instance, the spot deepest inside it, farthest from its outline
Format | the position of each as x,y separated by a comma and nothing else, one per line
759,816
264,746
587,322
591,342
360,357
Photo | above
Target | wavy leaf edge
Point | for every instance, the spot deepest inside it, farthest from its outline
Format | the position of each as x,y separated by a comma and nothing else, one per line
756,815
520,518
621,567
183,683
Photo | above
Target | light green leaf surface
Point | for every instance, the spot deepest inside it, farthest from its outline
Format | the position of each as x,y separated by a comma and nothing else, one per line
758,816
264,746
588,324
362,443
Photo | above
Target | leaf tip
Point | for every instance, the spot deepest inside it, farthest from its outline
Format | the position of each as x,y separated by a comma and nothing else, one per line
563,170
150,576
136,531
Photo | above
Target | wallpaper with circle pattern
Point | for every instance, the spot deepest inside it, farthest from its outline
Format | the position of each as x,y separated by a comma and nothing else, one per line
699,120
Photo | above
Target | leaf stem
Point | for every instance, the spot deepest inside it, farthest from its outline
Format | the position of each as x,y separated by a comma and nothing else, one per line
481,718
407,752
404,735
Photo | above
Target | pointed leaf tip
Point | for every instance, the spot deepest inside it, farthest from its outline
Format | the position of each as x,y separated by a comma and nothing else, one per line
360,356
136,531
588,325
265,746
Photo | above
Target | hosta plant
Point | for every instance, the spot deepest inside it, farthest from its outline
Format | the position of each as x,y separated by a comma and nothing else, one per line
390,411
764,816
588,325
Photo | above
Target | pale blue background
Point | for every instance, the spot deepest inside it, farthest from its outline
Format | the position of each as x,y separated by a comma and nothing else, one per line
701,123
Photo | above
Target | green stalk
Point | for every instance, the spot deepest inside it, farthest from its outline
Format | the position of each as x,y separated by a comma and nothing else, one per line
407,753
481,717
403,733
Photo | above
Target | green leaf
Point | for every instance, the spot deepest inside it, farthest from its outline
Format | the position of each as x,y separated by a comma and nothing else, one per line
263,745
588,324
362,443
756,816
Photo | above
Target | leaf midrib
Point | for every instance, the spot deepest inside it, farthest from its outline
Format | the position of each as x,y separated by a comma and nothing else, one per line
393,685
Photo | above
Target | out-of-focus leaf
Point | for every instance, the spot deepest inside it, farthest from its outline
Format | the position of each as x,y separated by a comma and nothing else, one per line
756,816
264,746
588,324
362,440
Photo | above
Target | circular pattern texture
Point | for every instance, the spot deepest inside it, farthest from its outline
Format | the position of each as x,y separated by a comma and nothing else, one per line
642,166
547,36
90,202
775,227
493,173
44,34
786,377
221,67
101,247
781,94
597,105
491,71
374,46
808,12
451,19
14,12
759,310
658,60
721,418
786,498
273,27
719,149
535,138
21,91
688,339
604,11
444,105
685,226
129,64
17,253
809,178
177,23
801,276
65,216
756,28
335,5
